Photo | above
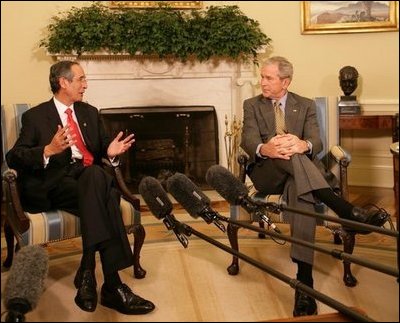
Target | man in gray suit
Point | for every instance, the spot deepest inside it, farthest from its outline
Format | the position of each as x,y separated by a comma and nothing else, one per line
283,159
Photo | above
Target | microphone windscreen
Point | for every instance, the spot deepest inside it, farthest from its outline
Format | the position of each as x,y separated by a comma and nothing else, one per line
187,194
26,277
226,184
155,197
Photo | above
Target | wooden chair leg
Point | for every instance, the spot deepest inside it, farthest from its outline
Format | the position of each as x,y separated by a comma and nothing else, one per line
9,236
336,238
139,234
348,247
232,231
262,226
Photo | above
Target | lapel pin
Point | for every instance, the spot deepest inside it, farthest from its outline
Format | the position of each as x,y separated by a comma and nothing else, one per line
84,124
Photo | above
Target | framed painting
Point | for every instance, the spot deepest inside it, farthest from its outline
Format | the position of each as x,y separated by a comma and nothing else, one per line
155,4
332,17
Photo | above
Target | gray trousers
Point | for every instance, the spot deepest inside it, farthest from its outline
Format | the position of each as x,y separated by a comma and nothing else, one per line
295,179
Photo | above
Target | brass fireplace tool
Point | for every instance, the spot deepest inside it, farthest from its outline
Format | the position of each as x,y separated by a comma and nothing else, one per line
232,142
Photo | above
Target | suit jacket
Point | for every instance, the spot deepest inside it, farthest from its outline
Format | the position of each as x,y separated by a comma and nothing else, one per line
259,122
301,120
39,125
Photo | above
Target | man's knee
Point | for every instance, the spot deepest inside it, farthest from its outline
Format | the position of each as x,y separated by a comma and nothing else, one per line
95,174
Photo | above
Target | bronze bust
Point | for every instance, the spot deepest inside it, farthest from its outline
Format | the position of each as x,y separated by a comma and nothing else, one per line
348,76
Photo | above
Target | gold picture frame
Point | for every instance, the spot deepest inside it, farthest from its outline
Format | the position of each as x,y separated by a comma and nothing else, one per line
333,17
155,4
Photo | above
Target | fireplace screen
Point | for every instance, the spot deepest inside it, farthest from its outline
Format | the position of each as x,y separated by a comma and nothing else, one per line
169,139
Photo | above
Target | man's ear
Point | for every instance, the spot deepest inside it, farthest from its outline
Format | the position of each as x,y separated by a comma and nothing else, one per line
63,82
286,82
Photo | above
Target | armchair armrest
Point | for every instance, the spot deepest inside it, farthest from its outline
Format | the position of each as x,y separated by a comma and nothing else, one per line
126,193
243,160
16,218
343,158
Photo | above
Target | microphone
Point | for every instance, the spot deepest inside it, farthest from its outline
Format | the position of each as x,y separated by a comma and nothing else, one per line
236,193
25,282
193,199
161,206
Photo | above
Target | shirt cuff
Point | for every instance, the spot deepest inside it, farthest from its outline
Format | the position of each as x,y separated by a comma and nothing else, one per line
45,161
258,152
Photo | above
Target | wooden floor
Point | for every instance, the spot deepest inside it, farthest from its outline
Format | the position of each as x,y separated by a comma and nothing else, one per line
358,195
192,284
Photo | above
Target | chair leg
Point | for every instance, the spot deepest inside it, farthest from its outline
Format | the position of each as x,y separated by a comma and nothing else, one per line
232,231
348,247
262,226
336,237
139,234
9,235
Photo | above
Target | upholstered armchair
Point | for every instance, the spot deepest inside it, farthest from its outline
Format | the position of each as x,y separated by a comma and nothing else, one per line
55,225
335,159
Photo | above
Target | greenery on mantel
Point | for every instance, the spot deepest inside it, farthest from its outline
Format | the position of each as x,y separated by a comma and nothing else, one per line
216,32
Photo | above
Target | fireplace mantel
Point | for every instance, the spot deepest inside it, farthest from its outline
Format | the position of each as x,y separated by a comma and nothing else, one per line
121,80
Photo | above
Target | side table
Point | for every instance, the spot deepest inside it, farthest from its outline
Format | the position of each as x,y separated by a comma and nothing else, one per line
394,149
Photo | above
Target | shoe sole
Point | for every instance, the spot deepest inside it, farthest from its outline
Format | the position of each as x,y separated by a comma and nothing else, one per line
123,311
84,309
305,314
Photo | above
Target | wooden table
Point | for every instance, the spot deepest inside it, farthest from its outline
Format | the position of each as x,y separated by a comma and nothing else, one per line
394,149
368,122
365,122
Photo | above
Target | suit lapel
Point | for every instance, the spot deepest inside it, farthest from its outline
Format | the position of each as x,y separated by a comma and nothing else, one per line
53,118
53,121
292,111
267,111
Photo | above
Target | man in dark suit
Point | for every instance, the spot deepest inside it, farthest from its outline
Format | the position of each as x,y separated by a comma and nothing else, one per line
281,136
57,156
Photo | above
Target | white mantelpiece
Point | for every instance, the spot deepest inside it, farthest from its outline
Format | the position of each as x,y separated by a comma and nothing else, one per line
136,81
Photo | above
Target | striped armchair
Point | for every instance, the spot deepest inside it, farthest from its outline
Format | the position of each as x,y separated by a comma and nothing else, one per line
55,225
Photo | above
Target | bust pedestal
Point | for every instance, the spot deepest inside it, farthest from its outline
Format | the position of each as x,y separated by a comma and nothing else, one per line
348,105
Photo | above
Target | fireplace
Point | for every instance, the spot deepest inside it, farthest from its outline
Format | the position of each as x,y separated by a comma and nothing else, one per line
119,80
169,139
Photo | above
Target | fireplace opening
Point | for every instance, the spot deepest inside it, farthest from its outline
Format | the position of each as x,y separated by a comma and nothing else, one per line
169,139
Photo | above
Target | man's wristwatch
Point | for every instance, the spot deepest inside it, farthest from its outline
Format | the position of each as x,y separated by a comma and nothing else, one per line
309,145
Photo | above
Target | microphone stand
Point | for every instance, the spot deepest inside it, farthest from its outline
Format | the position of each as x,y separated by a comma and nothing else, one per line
277,208
210,216
294,283
173,224
335,253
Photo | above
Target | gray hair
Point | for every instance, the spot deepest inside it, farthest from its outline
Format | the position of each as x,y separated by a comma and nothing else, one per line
60,69
284,66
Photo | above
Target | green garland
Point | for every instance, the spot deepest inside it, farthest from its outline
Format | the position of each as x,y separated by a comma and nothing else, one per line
222,31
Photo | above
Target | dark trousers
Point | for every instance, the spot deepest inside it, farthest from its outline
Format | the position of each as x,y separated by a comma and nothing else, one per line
90,193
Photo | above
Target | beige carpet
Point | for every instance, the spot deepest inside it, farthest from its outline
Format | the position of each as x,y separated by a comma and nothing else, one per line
193,285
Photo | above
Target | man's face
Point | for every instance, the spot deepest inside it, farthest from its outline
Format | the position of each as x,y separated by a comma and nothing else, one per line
348,85
75,88
272,85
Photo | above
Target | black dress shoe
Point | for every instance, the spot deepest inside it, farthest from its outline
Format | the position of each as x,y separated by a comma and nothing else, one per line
370,214
304,304
125,301
86,297
78,278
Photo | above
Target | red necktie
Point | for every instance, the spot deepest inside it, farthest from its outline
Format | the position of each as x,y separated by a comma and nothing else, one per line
87,156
